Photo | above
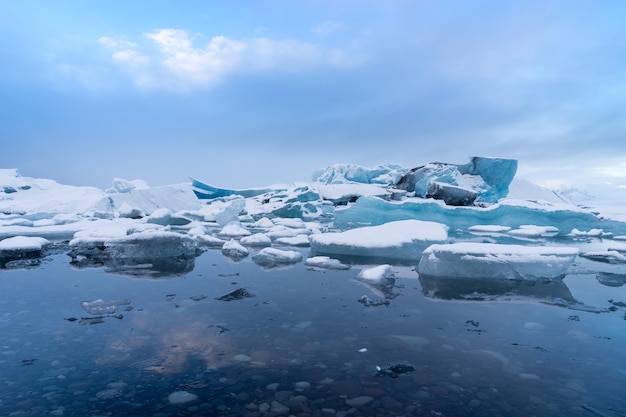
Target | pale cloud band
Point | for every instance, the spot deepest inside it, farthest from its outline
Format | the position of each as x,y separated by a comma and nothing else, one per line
176,59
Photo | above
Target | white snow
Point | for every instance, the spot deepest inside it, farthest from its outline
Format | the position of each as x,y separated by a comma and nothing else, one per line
495,261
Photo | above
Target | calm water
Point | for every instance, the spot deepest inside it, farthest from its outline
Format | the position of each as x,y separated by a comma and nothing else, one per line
302,344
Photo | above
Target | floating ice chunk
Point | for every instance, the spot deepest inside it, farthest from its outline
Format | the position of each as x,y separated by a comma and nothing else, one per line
326,262
301,241
380,279
496,261
271,257
404,239
532,231
234,229
150,252
376,274
257,240
23,243
234,250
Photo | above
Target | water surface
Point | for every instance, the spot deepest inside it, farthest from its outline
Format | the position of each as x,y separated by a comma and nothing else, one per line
304,342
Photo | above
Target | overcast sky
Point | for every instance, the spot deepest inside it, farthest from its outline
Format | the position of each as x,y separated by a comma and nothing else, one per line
250,93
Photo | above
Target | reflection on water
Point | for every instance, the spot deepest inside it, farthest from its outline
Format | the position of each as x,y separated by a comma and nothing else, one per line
301,343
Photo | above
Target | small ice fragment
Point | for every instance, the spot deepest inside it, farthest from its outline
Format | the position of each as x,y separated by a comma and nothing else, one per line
362,350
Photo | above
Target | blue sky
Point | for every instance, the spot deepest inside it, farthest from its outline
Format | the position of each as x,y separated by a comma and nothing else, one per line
251,93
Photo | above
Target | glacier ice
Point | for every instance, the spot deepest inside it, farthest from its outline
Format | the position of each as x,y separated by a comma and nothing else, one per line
496,261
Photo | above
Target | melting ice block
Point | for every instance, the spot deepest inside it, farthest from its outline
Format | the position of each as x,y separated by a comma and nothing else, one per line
404,239
496,261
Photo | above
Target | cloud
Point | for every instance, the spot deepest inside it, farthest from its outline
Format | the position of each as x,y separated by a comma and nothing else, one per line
327,28
177,59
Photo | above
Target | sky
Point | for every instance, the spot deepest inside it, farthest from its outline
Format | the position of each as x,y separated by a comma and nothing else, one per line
250,93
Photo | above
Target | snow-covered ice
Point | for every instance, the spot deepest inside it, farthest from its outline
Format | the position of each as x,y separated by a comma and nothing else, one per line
404,239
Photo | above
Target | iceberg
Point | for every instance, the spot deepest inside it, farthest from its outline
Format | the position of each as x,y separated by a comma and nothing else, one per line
404,239
496,261
482,179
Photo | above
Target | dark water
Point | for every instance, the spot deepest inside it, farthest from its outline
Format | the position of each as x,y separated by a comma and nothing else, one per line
302,344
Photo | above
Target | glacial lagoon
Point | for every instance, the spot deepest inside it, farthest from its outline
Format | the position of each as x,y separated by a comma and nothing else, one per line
223,338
